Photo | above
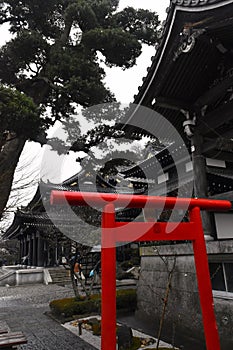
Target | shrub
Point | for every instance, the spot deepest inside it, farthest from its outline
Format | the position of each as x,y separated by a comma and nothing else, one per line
96,328
126,299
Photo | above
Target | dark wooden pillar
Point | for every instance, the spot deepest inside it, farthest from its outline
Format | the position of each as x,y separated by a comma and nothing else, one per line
40,250
34,250
21,246
30,250
200,178
45,254
20,249
25,252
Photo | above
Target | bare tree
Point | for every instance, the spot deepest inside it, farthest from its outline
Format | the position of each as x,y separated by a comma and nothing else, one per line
170,265
25,180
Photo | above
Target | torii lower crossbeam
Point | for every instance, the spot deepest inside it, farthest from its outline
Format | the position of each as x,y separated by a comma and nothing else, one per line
115,232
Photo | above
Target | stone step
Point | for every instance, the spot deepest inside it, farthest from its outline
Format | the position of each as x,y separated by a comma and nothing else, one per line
59,276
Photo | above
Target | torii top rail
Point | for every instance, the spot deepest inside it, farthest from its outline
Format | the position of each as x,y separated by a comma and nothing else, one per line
113,232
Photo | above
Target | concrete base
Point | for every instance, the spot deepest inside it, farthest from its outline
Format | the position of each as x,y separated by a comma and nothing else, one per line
31,276
183,318
16,275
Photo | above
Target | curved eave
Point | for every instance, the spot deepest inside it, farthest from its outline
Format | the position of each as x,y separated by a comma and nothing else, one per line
172,26
14,229
187,76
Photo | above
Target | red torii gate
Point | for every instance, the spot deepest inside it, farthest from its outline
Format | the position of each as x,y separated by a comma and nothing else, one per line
113,232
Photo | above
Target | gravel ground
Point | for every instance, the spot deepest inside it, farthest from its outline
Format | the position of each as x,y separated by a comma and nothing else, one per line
22,309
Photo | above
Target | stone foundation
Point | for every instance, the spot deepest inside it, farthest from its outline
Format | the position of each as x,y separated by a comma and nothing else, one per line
183,319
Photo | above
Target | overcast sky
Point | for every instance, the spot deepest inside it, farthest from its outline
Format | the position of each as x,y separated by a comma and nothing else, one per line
125,84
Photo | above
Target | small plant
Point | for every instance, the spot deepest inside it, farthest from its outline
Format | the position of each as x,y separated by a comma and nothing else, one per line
96,328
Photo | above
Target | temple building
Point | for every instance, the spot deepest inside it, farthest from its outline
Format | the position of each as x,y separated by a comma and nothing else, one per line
47,236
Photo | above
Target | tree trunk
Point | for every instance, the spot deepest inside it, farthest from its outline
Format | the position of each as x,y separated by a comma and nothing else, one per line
74,285
9,157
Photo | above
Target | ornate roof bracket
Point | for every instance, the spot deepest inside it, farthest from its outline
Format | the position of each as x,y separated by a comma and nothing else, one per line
189,123
188,40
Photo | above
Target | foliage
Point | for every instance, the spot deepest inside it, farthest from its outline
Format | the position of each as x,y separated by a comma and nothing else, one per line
96,328
53,56
136,344
110,41
9,252
140,23
18,113
126,299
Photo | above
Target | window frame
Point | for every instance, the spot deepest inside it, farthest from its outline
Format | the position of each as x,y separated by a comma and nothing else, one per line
228,258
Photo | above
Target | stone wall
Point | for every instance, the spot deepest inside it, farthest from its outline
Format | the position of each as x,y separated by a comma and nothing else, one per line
28,276
16,275
183,320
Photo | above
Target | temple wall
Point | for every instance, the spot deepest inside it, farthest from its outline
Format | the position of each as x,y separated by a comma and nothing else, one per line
183,320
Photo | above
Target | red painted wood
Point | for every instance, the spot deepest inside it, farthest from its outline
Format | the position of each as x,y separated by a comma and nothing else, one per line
108,280
204,284
145,231
135,201
113,232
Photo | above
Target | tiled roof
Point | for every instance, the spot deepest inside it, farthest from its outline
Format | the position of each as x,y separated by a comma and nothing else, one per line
180,74
165,28
194,2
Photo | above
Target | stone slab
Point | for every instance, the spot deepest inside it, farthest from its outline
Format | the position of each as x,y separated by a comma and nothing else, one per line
95,341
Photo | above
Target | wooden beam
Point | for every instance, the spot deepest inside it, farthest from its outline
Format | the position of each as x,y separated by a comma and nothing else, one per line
228,134
218,148
215,119
220,155
220,144
171,103
225,144
227,156
212,94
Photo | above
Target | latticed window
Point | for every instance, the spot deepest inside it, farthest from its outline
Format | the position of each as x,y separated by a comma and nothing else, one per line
221,274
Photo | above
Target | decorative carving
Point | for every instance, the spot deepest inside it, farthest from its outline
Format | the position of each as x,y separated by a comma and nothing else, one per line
188,40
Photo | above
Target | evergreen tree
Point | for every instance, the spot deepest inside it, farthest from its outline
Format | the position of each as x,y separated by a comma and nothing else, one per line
53,58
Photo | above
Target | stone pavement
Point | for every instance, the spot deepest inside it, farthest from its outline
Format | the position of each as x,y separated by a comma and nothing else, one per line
22,309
